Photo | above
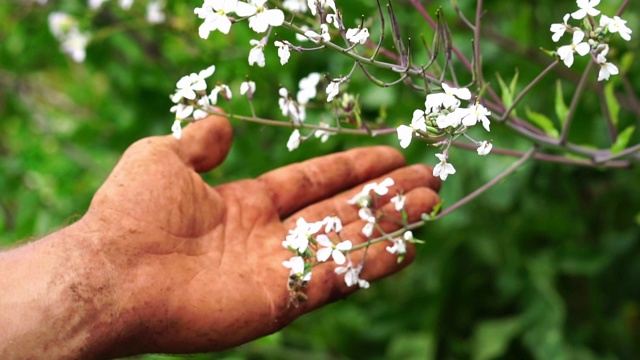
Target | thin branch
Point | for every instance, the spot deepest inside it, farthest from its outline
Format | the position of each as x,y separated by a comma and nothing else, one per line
574,103
526,90
611,127
528,155
628,151
547,157
477,57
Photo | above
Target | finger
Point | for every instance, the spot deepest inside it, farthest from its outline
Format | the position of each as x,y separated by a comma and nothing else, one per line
205,143
405,180
295,186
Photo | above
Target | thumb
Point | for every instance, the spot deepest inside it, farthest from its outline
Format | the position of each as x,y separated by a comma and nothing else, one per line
205,143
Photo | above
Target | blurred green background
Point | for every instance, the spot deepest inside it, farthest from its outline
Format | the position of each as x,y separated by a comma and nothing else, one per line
546,265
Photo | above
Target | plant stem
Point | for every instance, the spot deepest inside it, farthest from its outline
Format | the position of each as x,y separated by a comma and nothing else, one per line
574,103
528,155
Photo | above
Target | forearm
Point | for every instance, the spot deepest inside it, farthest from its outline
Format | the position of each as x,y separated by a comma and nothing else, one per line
55,301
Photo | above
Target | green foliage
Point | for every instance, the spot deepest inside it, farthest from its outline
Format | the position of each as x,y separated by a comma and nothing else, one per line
623,140
543,122
508,92
560,106
546,265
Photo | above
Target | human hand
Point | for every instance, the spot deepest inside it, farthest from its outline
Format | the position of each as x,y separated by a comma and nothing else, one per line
196,268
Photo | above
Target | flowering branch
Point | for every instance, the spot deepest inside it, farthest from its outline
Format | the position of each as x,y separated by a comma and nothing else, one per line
447,120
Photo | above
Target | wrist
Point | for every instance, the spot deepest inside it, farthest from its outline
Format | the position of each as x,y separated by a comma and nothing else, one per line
59,298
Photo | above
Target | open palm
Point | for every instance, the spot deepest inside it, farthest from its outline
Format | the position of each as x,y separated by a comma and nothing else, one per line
203,264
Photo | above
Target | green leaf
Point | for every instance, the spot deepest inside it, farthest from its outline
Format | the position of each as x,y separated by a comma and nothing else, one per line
626,61
612,102
491,338
560,106
507,92
622,140
412,346
514,82
543,122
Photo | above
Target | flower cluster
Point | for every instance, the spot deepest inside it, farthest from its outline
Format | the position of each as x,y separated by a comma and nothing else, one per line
444,115
73,41
365,200
216,15
295,109
311,244
592,38
191,98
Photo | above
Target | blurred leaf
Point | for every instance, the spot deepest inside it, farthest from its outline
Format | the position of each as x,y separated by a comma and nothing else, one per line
508,92
543,122
612,102
623,139
412,346
626,61
491,338
560,106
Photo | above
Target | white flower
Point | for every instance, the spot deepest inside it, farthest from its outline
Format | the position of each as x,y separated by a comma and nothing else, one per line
155,14
296,264
74,44
476,113
443,168
400,244
182,111
256,54
214,13
94,4
176,129
295,5
383,187
405,133
298,238
125,4
358,35
307,87
330,250
366,215
334,20
332,223
322,134
399,201
294,140
484,147
586,7
283,51
352,275
452,119
606,68
188,85
566,52
616,25
333,88
198,113
248,87
290,107
559,29
221,89
446,100
302,37
61,23
261,17
314,4
362,198
317,38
